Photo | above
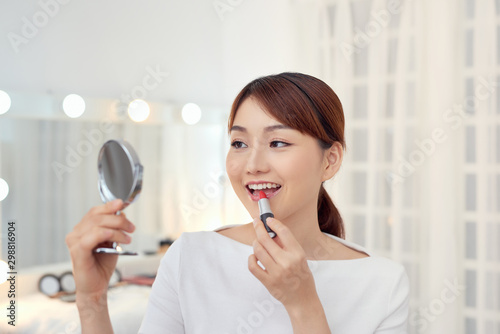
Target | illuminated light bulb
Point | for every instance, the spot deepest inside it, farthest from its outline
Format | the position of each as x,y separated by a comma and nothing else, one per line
138,110
191,113
73,105
5,102
4,268
4,189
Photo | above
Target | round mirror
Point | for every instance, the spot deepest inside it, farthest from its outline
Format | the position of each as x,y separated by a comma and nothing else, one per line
120,177
120,172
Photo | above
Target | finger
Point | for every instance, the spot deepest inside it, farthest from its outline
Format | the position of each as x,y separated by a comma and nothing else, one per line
286,236
263,256
81,253
264,239
99,235
71,239
109,220
115,222
107,208
257,270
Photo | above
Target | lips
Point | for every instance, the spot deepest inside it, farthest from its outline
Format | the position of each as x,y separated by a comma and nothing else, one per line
269,188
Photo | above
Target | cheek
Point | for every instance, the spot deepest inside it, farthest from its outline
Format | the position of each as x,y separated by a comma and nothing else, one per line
303,168
233,166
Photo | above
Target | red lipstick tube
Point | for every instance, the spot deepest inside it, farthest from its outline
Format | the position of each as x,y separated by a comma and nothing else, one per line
265,212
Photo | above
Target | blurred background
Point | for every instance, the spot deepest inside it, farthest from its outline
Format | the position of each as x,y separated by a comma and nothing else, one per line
420,181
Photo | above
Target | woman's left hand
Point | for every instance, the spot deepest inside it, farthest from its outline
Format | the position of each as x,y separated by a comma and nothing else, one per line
286,275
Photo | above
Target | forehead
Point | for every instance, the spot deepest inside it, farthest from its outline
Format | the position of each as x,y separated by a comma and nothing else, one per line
251,115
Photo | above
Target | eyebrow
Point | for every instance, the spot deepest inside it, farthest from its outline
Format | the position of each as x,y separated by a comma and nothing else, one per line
266,129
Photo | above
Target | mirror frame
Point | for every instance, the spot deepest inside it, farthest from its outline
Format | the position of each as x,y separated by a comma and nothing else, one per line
107,195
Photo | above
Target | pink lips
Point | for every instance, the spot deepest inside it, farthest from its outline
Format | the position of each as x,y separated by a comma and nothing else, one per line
256,197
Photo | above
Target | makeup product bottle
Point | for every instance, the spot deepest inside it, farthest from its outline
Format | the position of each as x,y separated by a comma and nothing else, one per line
265,212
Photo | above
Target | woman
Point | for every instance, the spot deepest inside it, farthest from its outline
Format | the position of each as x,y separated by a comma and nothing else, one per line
287,137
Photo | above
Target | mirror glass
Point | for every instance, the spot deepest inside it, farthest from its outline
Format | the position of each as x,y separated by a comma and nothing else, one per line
120,172
117,172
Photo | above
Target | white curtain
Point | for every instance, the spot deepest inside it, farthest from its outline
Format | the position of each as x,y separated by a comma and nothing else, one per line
420,182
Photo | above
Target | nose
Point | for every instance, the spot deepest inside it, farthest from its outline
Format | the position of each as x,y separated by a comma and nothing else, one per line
257,161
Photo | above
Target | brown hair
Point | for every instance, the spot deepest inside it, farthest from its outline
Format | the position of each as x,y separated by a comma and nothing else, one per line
310,106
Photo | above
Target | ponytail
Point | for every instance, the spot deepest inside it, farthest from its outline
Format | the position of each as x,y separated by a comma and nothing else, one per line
330,220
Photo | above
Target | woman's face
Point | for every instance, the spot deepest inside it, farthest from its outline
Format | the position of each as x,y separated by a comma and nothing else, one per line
264,152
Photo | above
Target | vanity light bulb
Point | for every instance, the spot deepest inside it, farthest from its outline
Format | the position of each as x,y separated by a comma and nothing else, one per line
138,110
4,189
191,113
73,105
5,102
4,268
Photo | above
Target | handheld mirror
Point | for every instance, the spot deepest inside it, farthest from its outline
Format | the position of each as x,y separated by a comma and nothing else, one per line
120,177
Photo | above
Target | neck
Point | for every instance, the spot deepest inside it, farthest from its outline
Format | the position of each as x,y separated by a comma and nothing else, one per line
305,228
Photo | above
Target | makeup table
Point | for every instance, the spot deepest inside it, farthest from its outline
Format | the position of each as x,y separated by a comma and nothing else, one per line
37,313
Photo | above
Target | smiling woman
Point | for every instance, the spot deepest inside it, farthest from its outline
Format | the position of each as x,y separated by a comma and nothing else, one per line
287,138
287,99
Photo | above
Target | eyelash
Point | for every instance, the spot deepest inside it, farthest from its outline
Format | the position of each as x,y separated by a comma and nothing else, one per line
233,144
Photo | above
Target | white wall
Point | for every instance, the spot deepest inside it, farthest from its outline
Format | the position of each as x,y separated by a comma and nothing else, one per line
102,49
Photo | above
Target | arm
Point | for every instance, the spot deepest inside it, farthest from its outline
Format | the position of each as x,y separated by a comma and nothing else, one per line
288,278
309,317
93,271
94,315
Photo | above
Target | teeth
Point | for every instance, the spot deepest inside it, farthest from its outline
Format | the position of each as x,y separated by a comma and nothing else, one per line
261,186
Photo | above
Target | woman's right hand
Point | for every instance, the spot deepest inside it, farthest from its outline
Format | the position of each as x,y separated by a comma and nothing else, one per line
99,226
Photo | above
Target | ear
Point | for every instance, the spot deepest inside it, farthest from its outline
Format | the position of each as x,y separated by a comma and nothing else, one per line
332,161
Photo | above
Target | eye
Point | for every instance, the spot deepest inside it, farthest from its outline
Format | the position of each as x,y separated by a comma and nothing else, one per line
237,144
278,143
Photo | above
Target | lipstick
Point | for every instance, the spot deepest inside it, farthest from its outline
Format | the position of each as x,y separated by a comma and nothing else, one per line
265,212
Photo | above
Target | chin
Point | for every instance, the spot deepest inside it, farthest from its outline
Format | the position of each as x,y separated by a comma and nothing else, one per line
253,211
